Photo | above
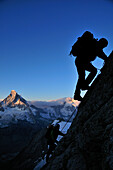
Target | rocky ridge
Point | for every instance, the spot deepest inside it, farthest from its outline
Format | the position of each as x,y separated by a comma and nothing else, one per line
88,144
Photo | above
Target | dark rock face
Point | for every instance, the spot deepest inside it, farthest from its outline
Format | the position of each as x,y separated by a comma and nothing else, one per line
88,144
15,137
29,155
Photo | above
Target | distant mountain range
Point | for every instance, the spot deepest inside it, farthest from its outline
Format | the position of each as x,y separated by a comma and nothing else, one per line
15,108
61,101
20,120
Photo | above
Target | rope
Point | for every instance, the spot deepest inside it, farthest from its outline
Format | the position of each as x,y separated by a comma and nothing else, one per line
69,118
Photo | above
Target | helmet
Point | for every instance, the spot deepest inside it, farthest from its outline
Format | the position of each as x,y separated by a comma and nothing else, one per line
57,125
103,42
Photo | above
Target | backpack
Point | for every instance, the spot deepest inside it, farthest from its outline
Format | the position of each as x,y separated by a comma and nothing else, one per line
48,132
83,44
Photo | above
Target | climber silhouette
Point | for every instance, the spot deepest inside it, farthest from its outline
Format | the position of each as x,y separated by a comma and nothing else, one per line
86,49
51,135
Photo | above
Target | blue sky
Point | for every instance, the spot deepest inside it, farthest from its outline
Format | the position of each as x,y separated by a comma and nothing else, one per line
36,37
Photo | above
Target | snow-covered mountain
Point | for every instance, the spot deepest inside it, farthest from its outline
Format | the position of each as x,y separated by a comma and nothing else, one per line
18,124
44,104
14,108
14,99
21,120
54,109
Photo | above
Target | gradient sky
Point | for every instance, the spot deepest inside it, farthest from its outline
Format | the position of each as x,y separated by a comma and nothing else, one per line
36,37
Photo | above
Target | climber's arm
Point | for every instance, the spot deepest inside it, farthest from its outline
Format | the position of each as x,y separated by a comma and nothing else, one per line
102,55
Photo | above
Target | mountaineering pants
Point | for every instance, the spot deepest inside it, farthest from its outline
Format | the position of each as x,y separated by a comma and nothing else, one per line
52,147
82,82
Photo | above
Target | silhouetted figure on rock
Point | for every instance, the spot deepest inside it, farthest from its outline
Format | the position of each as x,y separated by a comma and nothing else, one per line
51,135
87,48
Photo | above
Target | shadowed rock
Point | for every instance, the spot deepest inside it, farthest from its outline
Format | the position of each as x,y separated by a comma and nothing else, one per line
88,144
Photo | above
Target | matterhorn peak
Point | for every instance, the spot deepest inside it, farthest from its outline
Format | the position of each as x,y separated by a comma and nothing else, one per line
13,93
14,99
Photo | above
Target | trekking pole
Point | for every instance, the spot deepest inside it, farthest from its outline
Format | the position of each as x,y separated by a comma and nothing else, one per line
69,118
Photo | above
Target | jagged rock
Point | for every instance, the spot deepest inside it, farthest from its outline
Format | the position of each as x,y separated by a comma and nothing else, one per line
88,144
